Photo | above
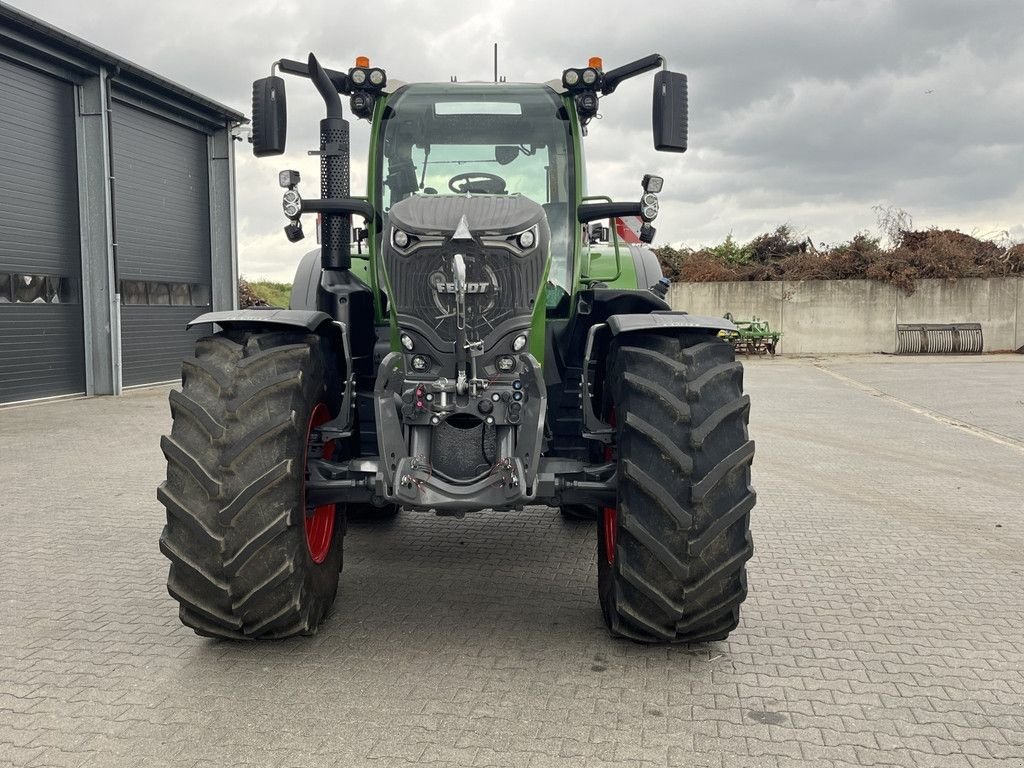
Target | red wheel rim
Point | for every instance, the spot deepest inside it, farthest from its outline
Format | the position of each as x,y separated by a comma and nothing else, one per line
319,520
609,519
609,515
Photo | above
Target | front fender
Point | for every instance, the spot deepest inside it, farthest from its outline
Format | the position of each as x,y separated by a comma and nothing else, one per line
667,321
293,318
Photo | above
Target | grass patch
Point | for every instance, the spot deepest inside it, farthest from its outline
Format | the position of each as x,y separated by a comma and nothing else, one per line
257,293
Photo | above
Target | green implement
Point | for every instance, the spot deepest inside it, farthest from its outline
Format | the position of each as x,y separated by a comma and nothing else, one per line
753,336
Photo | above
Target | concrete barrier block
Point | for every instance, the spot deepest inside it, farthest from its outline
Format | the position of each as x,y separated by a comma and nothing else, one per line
742,300
838,316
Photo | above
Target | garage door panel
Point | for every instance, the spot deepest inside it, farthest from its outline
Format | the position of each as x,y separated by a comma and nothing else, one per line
40,351
39,189
162,210
151,360
162,198
41,340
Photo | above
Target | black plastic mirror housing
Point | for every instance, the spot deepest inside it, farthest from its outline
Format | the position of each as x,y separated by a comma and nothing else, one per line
269,117
669,112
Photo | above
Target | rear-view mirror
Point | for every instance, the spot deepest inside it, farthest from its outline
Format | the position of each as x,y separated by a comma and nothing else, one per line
505,154
269,117
669,112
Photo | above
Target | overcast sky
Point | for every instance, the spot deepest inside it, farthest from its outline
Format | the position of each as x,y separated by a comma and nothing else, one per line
801,112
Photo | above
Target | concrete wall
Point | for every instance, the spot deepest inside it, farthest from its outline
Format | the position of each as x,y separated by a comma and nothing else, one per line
860,316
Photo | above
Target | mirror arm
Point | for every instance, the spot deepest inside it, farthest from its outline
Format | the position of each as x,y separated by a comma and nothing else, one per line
613,77
338,79
588,212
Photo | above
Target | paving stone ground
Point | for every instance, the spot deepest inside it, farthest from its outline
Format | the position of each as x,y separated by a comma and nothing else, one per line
884,626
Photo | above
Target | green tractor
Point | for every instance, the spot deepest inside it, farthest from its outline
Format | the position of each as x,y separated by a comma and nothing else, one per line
489,337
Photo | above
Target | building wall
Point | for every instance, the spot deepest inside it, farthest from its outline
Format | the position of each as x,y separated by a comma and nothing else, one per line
98,85
860,316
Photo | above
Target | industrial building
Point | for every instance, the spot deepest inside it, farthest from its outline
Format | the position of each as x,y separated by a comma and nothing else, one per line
117,219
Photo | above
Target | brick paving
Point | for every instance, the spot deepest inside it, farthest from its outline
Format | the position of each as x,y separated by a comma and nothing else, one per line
885,623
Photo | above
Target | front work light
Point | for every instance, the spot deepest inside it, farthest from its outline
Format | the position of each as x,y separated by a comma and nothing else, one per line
362,104
586,105
570,78
652,183
288,179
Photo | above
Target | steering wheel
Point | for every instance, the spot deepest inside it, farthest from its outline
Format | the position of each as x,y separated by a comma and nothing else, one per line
477,181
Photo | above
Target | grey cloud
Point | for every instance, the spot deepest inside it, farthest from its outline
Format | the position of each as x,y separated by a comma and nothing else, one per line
807,112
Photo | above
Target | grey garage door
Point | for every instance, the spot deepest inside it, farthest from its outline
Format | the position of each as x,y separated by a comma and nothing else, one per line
162,222
41,339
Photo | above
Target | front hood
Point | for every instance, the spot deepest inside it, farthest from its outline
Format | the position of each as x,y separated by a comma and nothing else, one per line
486,215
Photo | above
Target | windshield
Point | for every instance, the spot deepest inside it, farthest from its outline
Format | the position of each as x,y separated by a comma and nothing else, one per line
505,139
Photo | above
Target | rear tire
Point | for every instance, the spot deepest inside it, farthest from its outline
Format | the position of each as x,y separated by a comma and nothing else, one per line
248,560
672,554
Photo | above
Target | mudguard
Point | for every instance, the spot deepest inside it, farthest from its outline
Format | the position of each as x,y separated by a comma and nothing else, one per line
307,282
666,321
295,318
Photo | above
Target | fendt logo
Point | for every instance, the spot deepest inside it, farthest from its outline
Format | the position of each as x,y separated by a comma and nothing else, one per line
442,287
480,293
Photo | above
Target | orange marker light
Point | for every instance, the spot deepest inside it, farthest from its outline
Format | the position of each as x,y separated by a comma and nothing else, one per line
362,61
595,62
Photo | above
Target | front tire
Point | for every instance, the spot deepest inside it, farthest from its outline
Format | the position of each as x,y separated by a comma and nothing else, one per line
248,558
672,553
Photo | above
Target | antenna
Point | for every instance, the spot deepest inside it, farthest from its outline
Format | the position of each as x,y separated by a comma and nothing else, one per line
495,62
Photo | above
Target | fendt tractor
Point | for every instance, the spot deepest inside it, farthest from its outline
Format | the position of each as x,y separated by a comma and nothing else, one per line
490,336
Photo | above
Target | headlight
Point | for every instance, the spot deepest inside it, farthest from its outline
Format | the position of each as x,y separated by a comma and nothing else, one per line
527,239
407,342
519,342
419,363
292,204
505,363
649,202
400,238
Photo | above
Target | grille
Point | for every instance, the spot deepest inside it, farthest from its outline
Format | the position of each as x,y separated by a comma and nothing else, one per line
501,286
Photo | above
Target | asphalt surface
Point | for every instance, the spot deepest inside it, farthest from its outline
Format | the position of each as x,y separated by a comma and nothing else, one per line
884,626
